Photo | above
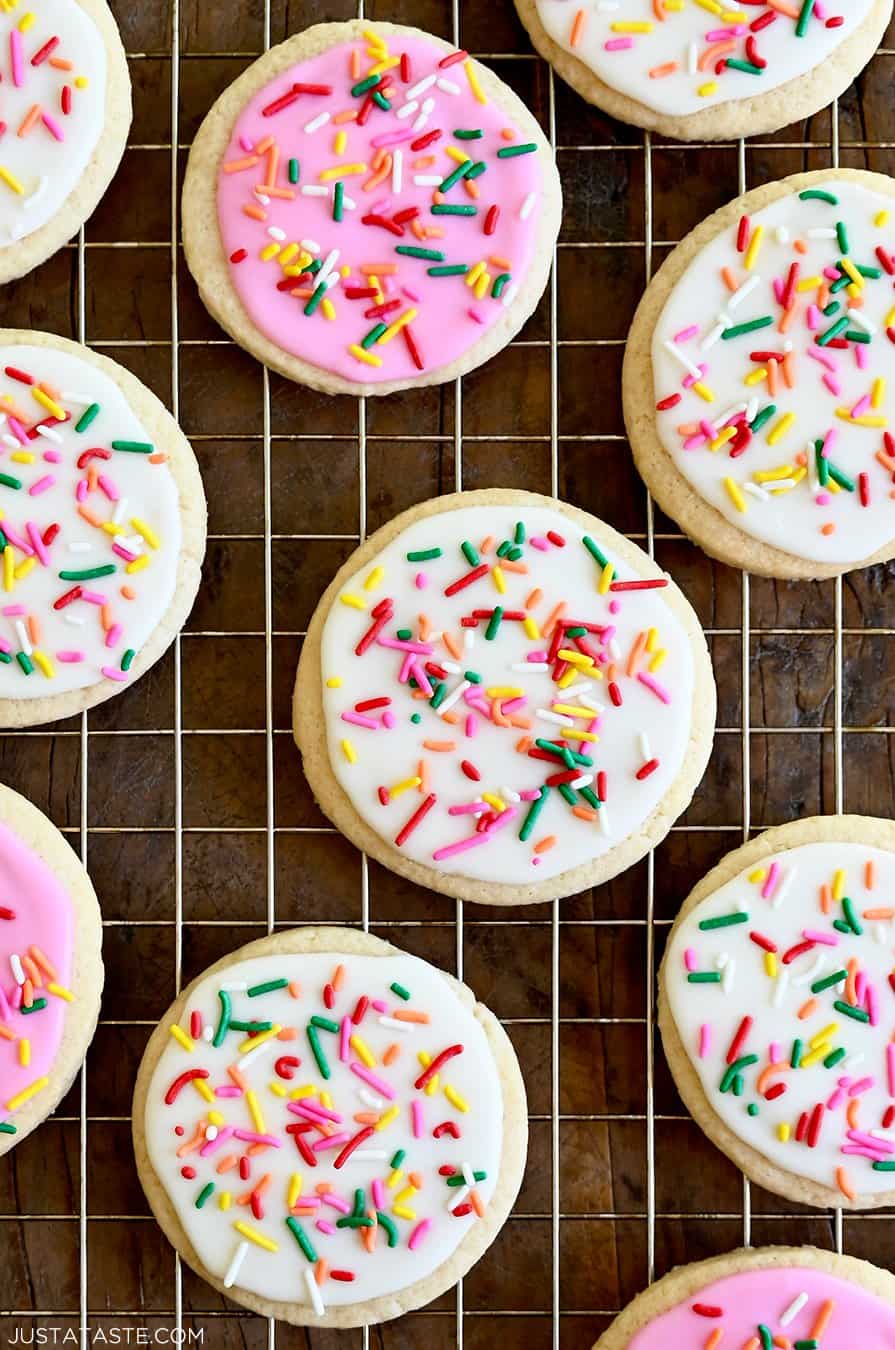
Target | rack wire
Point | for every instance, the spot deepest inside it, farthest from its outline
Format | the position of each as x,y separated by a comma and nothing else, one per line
620,1183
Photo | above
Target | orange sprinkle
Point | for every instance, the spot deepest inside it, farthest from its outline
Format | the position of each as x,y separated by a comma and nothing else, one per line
545,844
422,773
851,994
369,1234
800,246
294,988
253,1149
636,653
472,187
826,1312
89,516
378,269
869,874
190,1144
27,994
577,28
32,972
879,914
729,279
440,746
659,72
534,598
886,460
255,212
451,717
786,364
806,1009
555,614
714,1339
523,723
826,898
367,1117
418,229
423,162
829,528
772,376
324,1187
823,295
34,628
287,1034
60,63
452,645
237,1077
270,191
487,544
584,813
158,458
228,1161
105,615
710,55
410,1015
851,1114
303,1210
523,745
338,978
425,627
321,1270
767,1074
415,1179
381,173
843,1181
6,1034
476,1202
509,566
92,478
29,119
508,133
391,1054
355,64
349,115
785,320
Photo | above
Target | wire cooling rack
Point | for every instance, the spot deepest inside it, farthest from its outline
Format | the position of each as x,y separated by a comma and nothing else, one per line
185,796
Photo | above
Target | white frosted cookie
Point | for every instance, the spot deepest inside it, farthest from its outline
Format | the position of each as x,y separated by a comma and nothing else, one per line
503,699
64,119
698,72
776,1001
102,528
51,970
329,1130
758,376
367,208
760,1298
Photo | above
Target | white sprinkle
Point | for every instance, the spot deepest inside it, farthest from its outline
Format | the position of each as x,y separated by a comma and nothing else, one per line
645,746
852,1062
329,263
453,697
469,640
276,233
537,666
528,206
455,1199
235,986
560,719
38,192
368,1155
10,441
793,1310
781,984
233,1269
746,289
120,511
782,485
597,708
783,887
315,190
448,86
316,123
727,975
397,171
509,295
713,336
821,232
262,197
50,434
422,86
881,933
615,650
584,781
259,1050
755,490
23,637
692,56
395,1024
674,350
349,203
752,408
603,820
208,1035
18,973
314,1289
812,973
408,109
733,411
370,1099
73,620
310,245
857,317
451,667
427,179
211,1131
508,795
468,1174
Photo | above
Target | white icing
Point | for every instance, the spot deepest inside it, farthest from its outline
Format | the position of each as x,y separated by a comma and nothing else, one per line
146,492
388,757
791,520
46,168
773,1002
281,1274
682,38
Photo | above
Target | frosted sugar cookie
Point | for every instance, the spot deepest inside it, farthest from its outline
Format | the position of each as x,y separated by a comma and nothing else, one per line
66,112
702,72
329,1130
503,699
763,1297
776,1009
367,208
102,528
51,971
758,376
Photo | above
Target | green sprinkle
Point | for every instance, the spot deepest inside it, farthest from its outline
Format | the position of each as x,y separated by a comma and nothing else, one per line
458,1178
795,1058
761,417
841,926
266,988
806,1345
856,1014
133,447
841,232
87,416
320,1057
314,267
472,676
127,659
89,573
469,553
738,1085
833,331
397,1159
533,812
359,1203
206,1191
735,1070
568,794
37,1006
439,696
500,284
564,752
323,1023
462,171
873,273
338,200
752,1109
294,171
3,541
254,1028
349,1221
301,1237
475,134
6,658
424,555
519,533
460,209
374,335
844,482
511,151
844,280
405,634
746,66
493,624
427,254
319,293
381,100
416,718
7,480
576,632
816,195
504,549
590,797
364,85
723,921
400,991
888,1165
449,270
832,308
823,464
704,977
224,1020
834,1057
595,551
6,1128
767,1341
820,986
477,170
848,908
751,326
25,663
856,335
386,1223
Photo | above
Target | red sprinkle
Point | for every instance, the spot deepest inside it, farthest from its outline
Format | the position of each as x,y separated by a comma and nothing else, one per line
382,794
383,222
798,950
777,1090
69,597
429,139
742,234
346,1276
888,1117
50,534
181,1081
432,1069
601,785
670,402
646,769
556,539
405,68
462,582
283,1067
329,995
864,488
419,814
885,259
763,21
21,375
470,770
462,1210
707,1310
43,52
360,1009
65,99
6,912
739,1039
188,1173
491,219
410,341
763,942
817,1116
446,1127
352,1145
615,694
452,60
656,584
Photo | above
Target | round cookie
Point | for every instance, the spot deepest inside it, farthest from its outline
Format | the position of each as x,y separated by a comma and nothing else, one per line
406,1110
683,72
776,1007
66,114
752,1298
758,372
363,237
102,528
51,970
503,699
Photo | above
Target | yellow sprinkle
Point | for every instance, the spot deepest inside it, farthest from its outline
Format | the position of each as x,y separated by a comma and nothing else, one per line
8,568
306,1090
255,1112
797,477
146,532
22,457
42,661
352,601
262,1036
225,1199
25,22
575,658
816,1055
26,1094
658,660
374,579
203,1089
756,376
376,41
809,283
838,883
24,1052
254,1236
474,273
531,629
480,289
498,577
493,800
825,1035
878,392
386,1118
455,1099
722,438
360,354
215,1118
880,219
504,691
735,495
571,710
845,416
703,391
334,682
573,734
652,637
780,428
138,565
705,90
362,1050
783,1132
81,82
606,575
269,252
349,752
328,309
404,786
394,1178
754,246
111,528
11,181
770,964
182,1038
294,1190
407,1194
631,27
849,268
404,1213
288,254
388,64
50,404
757,876
477,90
61,992
770,475
711,5
340,142
394,329
326,1100
341,171
459,155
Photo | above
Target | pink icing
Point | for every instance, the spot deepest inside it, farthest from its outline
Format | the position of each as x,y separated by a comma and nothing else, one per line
43,919
763,1297
450,317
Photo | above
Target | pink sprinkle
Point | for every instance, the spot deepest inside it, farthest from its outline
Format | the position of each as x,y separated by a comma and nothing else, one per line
872,1004
81,490
111,673
654,686
377,1084
108,488
92,597
476,315
223,1134
470,808
419,1233
416,1111
860,986
538,657
691,960
15,56
861,406
817,354
113,637
833,385
411,294
325,1226
827,939
330,1141
775,1052
41,485
307,1202
471,725
378,1193
344,1038
770,884
5,1009
823,499
52,457
618,44
393,138
691,379
705,1040
835,1099
388,719
719,34
18,541
832,273
537,542
421,581
52,126
18,430
861,357
311,1111
379,1004
71,659
862,1085
530,794
890,1067
34,536
14,611
253,1137
474,840
123,552
247,145
336,1202
4,645
358,720
778,290
707,429
812,318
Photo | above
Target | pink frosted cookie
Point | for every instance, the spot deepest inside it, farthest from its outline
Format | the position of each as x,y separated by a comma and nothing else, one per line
51,973
367,208
759,1299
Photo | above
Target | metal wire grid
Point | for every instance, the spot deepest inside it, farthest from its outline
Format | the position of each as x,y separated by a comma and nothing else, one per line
568,1325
